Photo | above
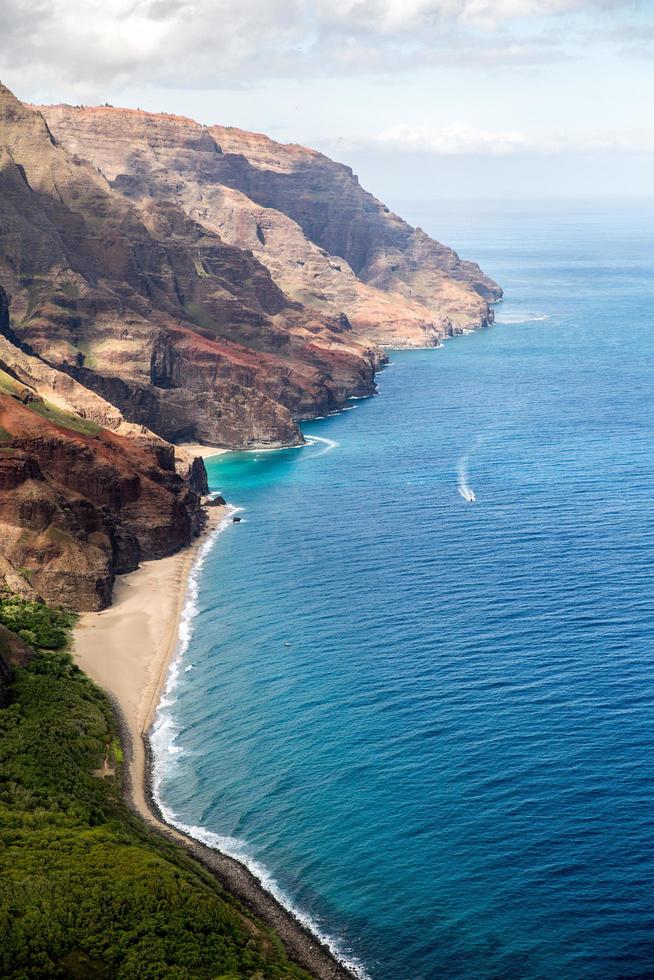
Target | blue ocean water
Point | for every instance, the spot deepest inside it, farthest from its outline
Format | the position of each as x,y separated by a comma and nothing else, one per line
431,722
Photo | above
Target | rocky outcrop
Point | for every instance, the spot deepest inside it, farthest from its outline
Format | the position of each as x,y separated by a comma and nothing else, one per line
77,508
80,503
4,313
326,242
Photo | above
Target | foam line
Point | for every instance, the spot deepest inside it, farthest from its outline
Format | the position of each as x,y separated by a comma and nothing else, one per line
164,751
235,848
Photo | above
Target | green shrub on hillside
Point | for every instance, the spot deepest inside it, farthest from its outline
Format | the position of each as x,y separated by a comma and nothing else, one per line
39,625
86,889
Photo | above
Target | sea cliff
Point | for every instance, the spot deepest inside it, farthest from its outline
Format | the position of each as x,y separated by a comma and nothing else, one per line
166,282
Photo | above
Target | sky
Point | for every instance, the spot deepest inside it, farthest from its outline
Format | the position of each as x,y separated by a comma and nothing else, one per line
423,98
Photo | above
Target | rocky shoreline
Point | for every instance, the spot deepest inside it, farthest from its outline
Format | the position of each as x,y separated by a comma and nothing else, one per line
302,946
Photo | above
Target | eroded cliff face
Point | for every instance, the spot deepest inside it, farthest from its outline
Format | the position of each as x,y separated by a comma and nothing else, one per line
327,201
326,242
80,504
84,495
182,332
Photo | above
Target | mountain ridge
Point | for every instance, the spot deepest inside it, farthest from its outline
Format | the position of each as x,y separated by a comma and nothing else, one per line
286,203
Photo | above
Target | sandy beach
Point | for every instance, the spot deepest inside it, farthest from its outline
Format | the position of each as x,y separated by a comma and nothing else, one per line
197,449
126,650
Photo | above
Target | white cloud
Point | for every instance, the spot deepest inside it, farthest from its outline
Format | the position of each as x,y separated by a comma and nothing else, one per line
383,16
90,44
457,138
460,139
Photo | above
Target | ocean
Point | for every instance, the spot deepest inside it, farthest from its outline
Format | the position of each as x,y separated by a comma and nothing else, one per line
428,722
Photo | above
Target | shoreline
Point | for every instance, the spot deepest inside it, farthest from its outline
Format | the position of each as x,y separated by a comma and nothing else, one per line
199,449
127,650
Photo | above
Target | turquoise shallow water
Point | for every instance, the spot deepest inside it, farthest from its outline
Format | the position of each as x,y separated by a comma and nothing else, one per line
430,721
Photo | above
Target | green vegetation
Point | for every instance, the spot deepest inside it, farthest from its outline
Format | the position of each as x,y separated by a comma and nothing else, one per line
86,889
66,419
70,290
90,360
200,268
10,386
37,624
199,316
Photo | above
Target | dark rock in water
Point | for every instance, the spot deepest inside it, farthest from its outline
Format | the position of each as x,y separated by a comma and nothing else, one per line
197,476
216,501
236,520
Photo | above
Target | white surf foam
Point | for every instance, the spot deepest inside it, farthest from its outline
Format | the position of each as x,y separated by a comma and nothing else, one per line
163,733
235,848
273,449
165,752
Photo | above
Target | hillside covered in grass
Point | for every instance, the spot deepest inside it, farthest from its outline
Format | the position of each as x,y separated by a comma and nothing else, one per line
86,890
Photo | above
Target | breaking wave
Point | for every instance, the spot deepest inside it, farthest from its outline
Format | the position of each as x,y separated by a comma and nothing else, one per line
235,848
163,734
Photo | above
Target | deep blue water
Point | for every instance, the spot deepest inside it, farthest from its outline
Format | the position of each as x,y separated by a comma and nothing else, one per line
431,721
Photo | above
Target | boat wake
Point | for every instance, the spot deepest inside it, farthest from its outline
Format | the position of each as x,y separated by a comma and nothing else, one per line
328,444
513,318
463,476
